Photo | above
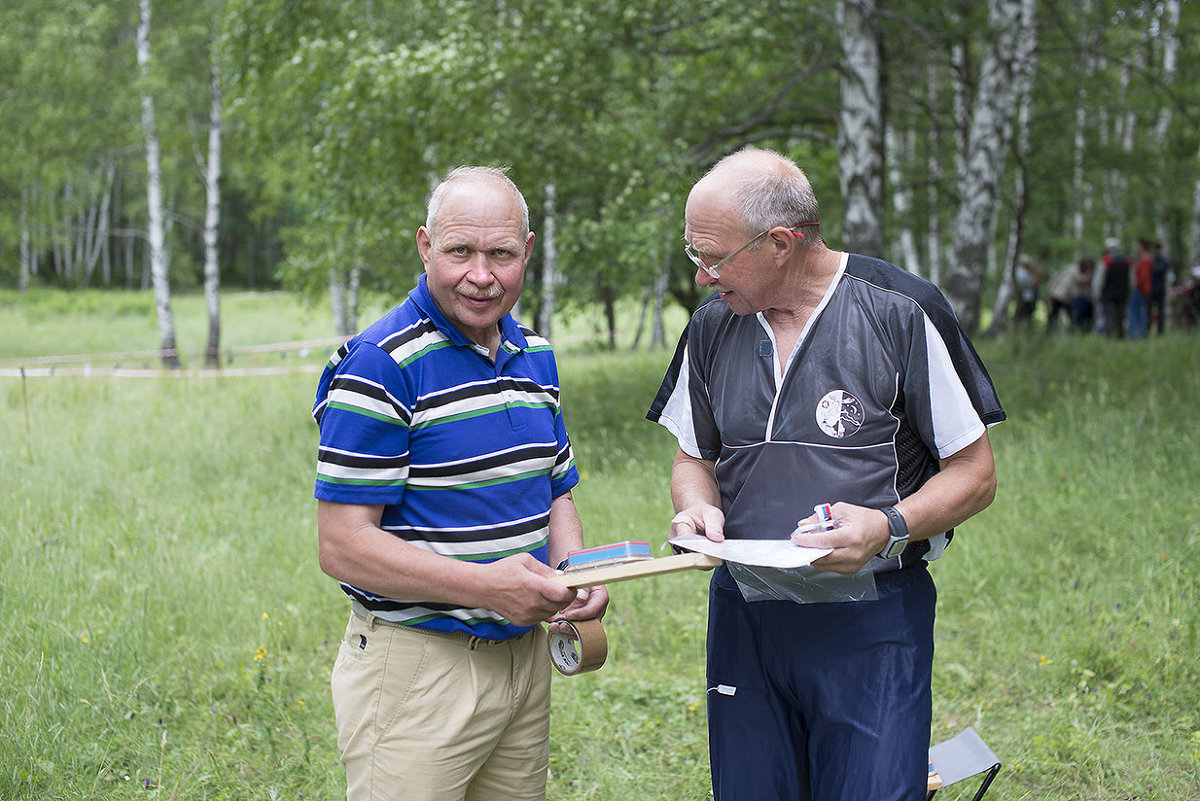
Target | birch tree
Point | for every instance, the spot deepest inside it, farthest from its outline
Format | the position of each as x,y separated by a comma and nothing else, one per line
1023,79
156,233
549,264
860,127
897,154
1167,25
212,220
991,112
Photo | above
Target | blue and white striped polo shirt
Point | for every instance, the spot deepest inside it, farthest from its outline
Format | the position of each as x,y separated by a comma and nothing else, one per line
464,454
882,383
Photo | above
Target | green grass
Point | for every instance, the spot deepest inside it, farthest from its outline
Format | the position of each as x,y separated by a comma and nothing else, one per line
168,634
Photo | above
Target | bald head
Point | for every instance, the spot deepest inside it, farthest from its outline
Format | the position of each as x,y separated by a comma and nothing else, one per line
466,177
764,189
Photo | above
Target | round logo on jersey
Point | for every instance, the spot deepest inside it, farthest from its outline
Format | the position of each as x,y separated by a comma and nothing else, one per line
840,414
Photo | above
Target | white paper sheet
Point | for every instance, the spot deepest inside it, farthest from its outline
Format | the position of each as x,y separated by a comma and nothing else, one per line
761,553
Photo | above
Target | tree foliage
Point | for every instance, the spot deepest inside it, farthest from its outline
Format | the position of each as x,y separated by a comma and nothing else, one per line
342,114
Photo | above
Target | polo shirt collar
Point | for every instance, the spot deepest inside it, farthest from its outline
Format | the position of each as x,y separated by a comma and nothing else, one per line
511,338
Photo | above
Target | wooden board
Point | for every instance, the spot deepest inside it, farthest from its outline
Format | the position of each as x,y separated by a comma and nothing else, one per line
642,567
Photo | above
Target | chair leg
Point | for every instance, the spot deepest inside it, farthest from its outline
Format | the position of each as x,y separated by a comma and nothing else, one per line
987,782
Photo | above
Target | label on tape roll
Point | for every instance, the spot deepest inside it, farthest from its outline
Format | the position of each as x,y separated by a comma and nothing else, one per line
579,646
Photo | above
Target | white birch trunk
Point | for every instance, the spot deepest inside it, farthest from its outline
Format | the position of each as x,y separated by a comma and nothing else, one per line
1170,47
549,266
87,238
860,127
962,115
1077,181
991,111
36,228
1168,35
98,245
212,220
897,153
159,258
84,230
343,298
1026,67
1123,128
65,250
106,249
337,301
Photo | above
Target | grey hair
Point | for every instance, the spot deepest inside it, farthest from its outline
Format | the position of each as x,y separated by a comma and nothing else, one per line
498,175
770,190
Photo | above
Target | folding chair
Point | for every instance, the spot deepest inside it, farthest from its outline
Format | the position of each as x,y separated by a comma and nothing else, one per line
961,757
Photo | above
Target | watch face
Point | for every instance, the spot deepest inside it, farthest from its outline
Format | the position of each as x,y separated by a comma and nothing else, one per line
895,548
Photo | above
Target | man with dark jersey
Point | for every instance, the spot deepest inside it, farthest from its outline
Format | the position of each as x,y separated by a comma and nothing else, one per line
444,479
812,377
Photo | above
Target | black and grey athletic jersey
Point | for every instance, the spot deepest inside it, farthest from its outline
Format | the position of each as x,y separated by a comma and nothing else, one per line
882,383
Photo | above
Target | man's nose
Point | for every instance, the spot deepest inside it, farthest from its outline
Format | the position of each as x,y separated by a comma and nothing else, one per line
479,269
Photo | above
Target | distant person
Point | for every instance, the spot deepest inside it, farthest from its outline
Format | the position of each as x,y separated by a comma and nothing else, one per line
443,488
1027,281
1160,281
814,376
1189,295
1114,290
1081,305
1058,296
1139,298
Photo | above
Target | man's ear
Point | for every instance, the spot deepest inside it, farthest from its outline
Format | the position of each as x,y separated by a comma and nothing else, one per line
783,243
529,247
424,246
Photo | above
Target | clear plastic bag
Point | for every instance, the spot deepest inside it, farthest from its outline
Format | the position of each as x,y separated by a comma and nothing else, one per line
803,585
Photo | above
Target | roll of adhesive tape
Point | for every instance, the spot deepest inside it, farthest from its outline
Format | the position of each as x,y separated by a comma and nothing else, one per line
580,648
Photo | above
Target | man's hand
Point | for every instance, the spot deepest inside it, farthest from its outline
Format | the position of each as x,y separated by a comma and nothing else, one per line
859,534
703,519
589,603
524,591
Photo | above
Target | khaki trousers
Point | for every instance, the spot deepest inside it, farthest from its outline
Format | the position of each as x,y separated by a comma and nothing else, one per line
423,716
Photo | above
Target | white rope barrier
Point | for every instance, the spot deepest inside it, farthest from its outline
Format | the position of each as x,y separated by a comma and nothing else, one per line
87,371
56,365
274,347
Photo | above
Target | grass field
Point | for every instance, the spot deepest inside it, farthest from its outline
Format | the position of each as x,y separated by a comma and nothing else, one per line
168,634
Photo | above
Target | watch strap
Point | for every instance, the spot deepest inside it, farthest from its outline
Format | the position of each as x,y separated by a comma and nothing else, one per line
897,533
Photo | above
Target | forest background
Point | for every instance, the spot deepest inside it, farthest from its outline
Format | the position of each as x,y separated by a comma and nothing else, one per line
290,143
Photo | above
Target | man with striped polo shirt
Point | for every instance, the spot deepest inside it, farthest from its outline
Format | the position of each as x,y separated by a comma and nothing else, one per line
444,493
815,377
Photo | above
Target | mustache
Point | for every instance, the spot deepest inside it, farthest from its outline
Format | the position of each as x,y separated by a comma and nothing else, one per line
480,293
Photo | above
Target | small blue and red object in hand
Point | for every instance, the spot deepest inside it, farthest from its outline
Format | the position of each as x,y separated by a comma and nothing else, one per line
602,555
825,521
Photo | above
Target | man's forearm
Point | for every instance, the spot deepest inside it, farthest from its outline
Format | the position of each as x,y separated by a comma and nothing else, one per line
693,482
566,529
965,486
354,549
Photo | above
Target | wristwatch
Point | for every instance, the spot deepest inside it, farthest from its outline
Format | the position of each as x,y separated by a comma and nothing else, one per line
897,533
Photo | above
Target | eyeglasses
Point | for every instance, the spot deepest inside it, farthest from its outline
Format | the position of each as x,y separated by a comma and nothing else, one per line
697,260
